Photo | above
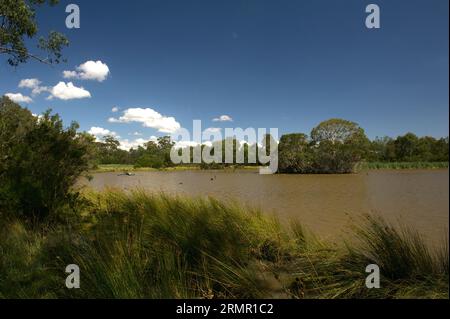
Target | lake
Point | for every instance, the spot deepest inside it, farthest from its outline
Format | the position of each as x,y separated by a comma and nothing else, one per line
326,204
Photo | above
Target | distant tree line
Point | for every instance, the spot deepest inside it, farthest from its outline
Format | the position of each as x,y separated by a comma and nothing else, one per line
334,146
155,154
408,148
337,146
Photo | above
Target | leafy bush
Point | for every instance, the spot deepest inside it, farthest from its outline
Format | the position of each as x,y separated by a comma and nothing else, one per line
336,146
40,162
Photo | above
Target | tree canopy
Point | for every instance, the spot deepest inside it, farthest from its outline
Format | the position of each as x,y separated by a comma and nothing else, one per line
17,23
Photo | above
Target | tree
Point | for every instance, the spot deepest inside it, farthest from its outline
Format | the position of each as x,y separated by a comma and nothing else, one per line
17,22
381,150
294,154
406,147
155,154
336,130
109,152
338,145
440,150
41,162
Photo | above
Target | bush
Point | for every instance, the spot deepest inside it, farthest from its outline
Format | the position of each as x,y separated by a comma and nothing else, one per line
40,162
336,146
294,154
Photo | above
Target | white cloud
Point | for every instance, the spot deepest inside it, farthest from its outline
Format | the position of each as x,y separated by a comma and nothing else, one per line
34,85
90,70
70,74
212,130
19,98
100,131
29,83
115,109
126,144
149,118
223,118
68,91
136,134
39,116
184,144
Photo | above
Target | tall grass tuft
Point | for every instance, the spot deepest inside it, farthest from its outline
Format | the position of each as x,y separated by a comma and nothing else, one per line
141,245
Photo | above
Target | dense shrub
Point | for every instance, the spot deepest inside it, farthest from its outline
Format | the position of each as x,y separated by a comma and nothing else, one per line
40,162
335,146
295,154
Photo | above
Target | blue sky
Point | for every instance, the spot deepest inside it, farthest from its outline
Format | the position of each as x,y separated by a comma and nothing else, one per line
283,64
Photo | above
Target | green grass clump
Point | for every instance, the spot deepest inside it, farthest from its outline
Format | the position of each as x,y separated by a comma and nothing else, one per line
140,245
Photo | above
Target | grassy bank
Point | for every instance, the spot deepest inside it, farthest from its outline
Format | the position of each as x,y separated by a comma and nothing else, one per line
153,246
130,168
363,166
403,165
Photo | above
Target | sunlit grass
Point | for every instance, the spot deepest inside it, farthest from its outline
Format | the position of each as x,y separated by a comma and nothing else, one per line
141,245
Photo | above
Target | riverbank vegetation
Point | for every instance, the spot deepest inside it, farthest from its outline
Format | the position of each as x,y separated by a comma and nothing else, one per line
138,245
403,165
334,146
340,147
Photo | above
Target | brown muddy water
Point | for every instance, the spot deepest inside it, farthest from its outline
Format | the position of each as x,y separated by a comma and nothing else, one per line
326,204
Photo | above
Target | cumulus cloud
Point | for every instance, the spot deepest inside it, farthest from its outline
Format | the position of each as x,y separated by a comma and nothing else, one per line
115,109
68,91
34,85
223,118
149,118
90,70
29,83
19,98
126,144
100,131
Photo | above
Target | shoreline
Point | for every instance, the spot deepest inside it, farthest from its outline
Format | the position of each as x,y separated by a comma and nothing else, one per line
118,168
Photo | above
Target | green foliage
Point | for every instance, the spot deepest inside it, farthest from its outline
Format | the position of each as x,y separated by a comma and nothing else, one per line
409,148
155,154
340,146
17,22
40,162
138,245
108,152
336,146
295,154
